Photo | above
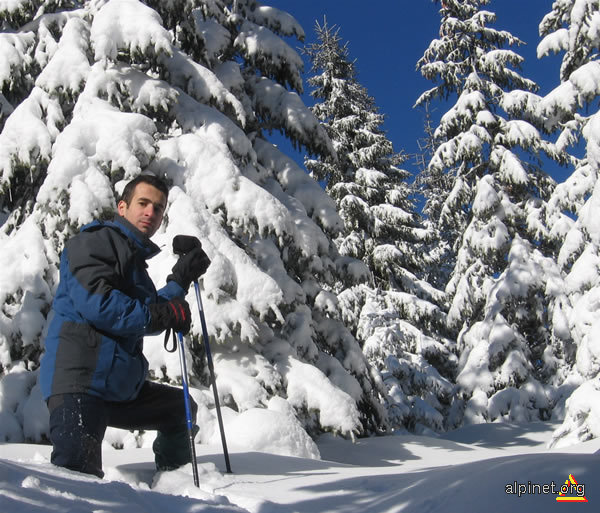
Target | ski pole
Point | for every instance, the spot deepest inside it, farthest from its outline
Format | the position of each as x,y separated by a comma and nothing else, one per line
183,244
213,381
188,409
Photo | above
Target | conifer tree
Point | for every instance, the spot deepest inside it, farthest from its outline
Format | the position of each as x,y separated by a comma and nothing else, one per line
396,314
492,214
433,184
571,109
94,93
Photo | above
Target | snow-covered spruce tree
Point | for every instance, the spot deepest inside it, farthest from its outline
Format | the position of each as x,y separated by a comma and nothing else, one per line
492,215
395,314
432,184
95,92
571,108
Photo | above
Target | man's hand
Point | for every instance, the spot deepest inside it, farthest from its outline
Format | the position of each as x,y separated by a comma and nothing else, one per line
183,244
174,314
193,261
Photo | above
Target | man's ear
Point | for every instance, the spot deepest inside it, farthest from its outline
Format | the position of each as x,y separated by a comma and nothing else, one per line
121,208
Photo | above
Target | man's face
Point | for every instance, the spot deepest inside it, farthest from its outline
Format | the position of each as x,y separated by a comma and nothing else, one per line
146,208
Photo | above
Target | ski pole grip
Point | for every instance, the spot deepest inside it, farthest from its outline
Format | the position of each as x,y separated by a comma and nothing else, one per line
183,244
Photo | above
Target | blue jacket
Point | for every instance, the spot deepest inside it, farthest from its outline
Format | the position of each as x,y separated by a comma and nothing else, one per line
95,338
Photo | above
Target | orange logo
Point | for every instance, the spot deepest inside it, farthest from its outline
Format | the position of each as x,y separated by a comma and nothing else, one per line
571,486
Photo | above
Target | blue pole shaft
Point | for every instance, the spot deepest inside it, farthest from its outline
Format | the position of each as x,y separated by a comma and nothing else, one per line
213,381
188,409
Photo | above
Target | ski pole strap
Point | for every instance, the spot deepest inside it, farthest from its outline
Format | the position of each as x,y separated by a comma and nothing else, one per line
173,347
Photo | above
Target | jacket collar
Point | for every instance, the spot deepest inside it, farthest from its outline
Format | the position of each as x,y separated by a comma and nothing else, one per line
142,242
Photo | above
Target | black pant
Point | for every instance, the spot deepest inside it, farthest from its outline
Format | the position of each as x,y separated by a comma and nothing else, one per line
78,423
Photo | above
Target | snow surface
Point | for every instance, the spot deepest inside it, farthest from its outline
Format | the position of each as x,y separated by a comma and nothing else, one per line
467,470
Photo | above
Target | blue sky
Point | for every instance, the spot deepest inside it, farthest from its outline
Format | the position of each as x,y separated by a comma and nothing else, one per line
388,37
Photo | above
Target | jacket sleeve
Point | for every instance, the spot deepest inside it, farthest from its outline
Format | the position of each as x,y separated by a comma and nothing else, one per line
95,277
170,290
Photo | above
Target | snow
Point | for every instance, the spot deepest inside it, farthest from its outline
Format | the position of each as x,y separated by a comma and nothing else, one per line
29,132
319,205
22,257
68,67
486,197
554,42
520,133
201,83
586,80
308,387
583,415
259,41
559,102
501,466
280,21
511,169
130,25
198,118
14,49
281,433
590,132
214,35
469,104
300,124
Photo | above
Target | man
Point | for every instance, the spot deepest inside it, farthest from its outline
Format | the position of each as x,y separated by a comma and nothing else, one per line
93,373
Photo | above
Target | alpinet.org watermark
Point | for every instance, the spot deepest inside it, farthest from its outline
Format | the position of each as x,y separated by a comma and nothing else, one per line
569,491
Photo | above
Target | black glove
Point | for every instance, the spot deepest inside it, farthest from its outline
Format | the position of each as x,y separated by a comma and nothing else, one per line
193,261
174,314
183,244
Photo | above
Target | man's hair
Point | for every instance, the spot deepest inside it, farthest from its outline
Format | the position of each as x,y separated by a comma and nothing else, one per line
153,180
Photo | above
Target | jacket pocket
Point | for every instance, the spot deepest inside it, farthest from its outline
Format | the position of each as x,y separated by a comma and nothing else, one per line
77,357
127,375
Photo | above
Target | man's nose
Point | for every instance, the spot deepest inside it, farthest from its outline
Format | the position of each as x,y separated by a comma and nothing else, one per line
150,210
